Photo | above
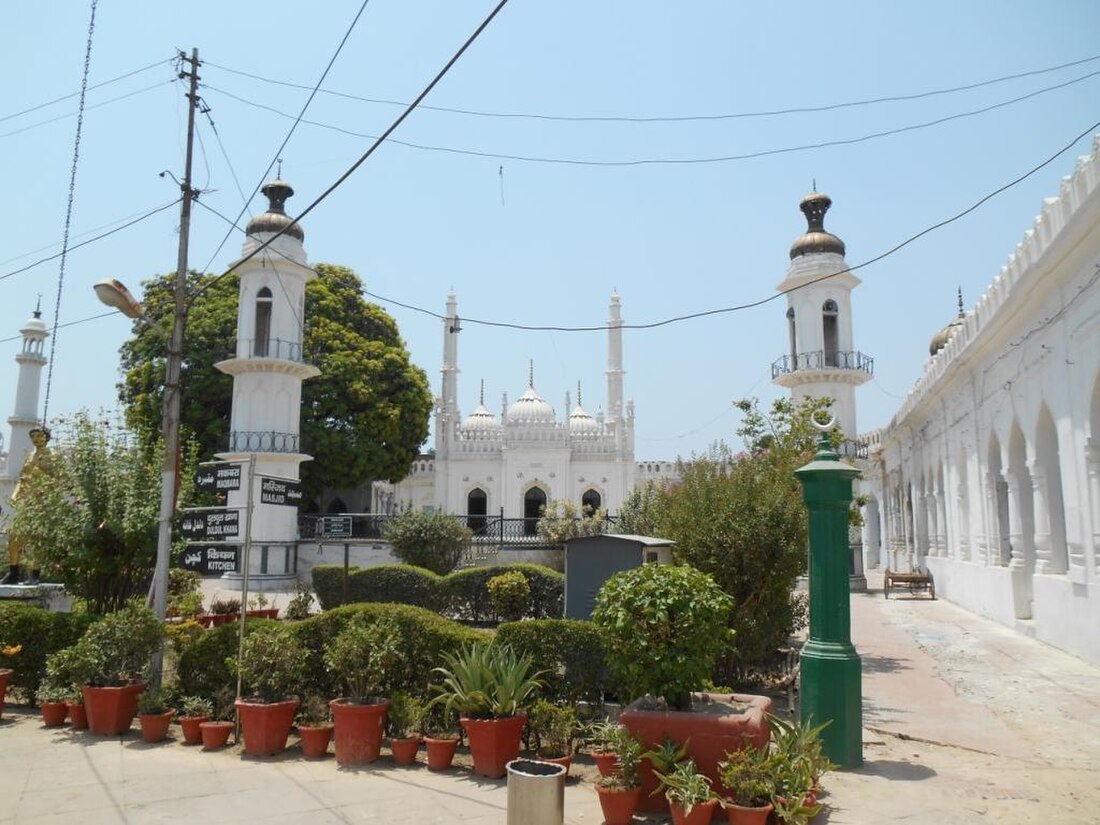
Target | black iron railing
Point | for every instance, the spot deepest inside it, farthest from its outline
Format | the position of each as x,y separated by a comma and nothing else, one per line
242,441
270,348
823,360
488,531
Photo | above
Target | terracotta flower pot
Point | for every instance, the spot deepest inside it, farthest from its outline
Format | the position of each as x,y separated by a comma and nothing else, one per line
214,734
494,742
78,717
189,725
565,761
404,750
314,740
441,752
742,815
618,804
358,730
605,761
53,714
701,814
265,726
111,710
5,675
154,726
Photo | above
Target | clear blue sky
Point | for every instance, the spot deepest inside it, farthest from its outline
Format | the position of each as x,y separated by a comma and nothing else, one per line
672,238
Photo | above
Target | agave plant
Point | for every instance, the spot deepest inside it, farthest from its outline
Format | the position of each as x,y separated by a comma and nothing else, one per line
486,680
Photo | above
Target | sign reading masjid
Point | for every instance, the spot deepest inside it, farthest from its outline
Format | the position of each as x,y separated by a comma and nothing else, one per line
280,491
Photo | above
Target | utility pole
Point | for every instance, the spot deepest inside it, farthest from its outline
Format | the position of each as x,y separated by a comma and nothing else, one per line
172,368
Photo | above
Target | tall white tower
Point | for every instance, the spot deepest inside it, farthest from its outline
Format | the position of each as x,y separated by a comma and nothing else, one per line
268,371
24,417
822,361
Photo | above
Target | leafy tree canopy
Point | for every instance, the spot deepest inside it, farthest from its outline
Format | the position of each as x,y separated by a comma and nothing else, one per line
364,418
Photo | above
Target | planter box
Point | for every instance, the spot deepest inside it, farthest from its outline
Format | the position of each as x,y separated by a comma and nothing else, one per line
111,710
265,727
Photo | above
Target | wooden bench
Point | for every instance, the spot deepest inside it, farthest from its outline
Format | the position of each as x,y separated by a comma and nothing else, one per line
919,581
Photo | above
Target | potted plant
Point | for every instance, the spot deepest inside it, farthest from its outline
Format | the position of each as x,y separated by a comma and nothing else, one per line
801,762
361,657
271,666
488,685
51,703
748,776
258,607
154,715
664,626
74,702
109,661
194,710
6,652
620,791
441,737
223,611
215,731
553,728
406,715
689,794
603,736
314,723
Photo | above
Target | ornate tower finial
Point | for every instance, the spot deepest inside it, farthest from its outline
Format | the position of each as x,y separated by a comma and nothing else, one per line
481,399
813,184
38,307
531,373
962,312
579,404
279,168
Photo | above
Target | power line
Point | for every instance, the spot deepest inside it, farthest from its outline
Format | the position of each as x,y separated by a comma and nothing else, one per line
87,109
126,225
676,119
679,161
297,120
90,88
67,324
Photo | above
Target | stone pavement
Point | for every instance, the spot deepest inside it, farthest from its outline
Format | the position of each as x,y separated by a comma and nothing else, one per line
965,722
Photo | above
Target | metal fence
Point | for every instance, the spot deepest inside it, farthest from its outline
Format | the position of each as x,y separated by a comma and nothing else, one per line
823,360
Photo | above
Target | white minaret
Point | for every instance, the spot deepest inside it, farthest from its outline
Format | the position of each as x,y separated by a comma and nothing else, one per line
615,371
268,371
24,417
822,361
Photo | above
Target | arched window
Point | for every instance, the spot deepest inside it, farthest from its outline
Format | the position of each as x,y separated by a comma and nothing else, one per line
336,506
828,320
534,502
263,322
590,502
477,505
790,332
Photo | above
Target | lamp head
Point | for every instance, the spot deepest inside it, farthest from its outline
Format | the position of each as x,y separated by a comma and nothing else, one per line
114,293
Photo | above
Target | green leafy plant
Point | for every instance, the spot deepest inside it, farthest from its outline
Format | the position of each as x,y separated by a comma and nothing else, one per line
271,663
603,735
258,602
434,541
486,680
406,715
628,761
685,786
802,759
510,595
362,656
195,706
562,520
554,728
153,700
300,605
664,626
667,756
749,775
49,692
223,607
116,650
439,723
313,711
224,703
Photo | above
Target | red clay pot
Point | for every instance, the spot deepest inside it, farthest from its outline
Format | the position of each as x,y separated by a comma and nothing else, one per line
214,734
708,736
494,742
701,814
404,750
111,710
154,726
314,739
265,726
78,718
605,761
618,804
189,725
358,730
441,752
53,714
740,815
5,675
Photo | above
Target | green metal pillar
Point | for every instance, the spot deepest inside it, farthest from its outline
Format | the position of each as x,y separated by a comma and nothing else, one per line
830,667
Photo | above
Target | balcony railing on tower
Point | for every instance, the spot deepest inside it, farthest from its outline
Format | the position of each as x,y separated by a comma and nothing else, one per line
267,441
823,360
272,348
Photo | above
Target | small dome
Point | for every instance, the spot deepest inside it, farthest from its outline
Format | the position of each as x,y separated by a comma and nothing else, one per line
816,239
480,422
940,339
582,422
531,408
275,218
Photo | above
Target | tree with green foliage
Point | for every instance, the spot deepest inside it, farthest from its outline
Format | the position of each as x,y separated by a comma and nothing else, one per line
434,541
93,518
363,418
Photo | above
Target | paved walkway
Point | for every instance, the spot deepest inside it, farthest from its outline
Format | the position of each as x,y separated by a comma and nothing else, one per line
965,722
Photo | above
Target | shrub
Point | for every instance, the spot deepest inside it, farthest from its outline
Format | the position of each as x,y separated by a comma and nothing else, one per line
400,583
116,650
300,605
510,595
562,520
362,656
202,668
464,594
38,633
485,680
554,728
434,541
571,653
664,627
271,662
405,716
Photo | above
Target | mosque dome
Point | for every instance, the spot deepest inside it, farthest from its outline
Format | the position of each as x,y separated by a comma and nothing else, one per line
480,422
940,339
582,422
35,323
531,408
816,239
275,218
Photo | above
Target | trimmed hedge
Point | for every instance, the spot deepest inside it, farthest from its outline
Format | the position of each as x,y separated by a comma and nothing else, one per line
571,651
462,595
41,633
425,636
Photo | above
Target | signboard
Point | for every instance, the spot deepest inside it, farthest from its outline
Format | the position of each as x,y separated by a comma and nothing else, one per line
216,478
335,527
212,523
209,559
280,491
